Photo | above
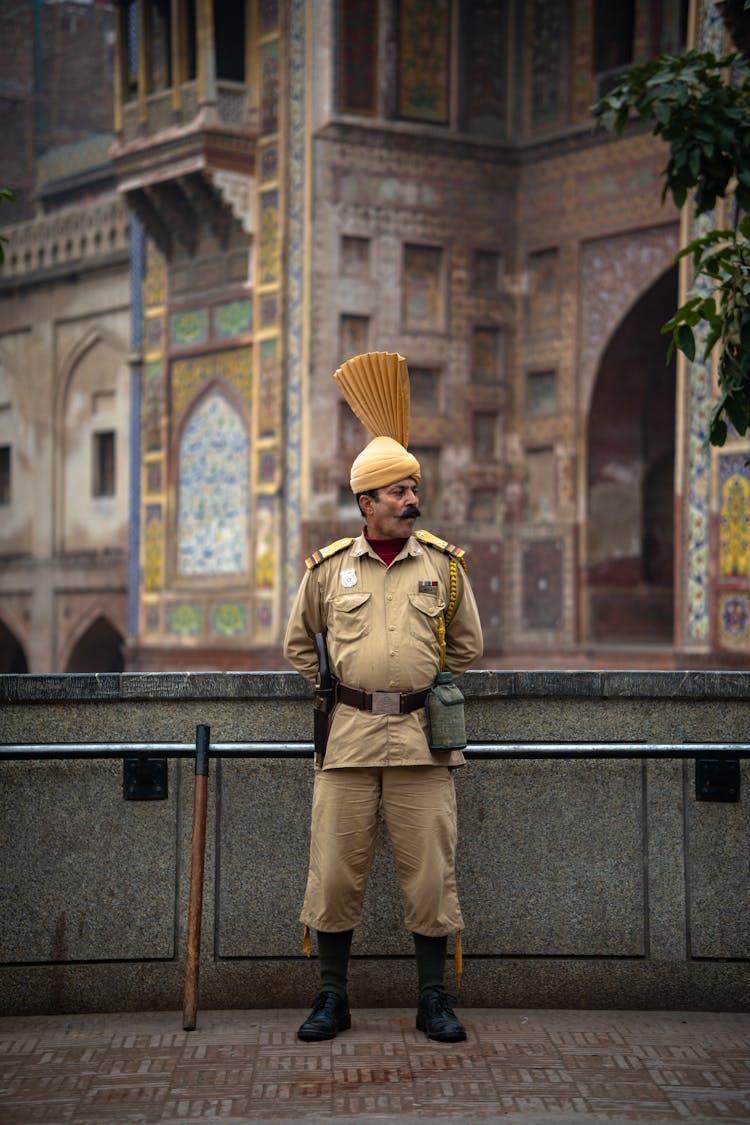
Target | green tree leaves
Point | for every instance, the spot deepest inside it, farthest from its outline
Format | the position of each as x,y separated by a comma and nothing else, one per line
705,119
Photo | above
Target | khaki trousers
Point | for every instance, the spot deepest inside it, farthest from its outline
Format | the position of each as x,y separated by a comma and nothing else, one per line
419,807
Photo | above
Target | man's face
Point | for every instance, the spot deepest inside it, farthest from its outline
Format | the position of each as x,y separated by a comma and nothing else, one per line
393,514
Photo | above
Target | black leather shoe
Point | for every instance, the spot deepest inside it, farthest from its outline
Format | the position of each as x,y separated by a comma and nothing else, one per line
329,1015
436,1017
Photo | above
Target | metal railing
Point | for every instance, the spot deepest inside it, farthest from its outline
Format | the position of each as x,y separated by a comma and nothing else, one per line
202,751
480,751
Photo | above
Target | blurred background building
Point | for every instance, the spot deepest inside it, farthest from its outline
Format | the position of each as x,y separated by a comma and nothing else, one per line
217,202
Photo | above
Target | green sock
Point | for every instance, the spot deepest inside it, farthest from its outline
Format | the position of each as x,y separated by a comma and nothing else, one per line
333,956
430,953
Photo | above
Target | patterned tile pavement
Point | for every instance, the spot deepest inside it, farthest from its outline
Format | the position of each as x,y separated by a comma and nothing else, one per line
530,1067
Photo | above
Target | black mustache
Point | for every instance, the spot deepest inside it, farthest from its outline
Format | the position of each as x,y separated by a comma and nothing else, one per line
410,513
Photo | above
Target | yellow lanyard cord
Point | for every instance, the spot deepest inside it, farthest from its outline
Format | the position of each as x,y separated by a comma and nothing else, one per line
443,622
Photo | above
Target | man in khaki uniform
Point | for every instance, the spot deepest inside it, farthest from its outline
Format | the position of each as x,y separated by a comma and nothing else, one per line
394,605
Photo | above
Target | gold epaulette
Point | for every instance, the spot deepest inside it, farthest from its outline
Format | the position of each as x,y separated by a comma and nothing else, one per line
442,545
319,556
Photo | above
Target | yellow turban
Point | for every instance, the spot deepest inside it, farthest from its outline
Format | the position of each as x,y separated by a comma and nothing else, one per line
376,386
384,461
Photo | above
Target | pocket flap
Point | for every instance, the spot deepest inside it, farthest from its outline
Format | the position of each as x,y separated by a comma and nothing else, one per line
348,602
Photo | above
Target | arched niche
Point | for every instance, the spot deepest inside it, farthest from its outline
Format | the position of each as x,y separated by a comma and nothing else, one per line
12,656
630,478
93,398
213,473
98,649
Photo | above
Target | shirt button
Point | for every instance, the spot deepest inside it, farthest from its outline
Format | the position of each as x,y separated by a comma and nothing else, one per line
389,598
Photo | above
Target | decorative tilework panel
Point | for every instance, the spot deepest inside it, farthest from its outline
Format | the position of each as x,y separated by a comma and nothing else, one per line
155,284
269,391
233,319
264,617
542,584
152,617
154,477
189,328
269,311
154,333
422,288
270,252
190,375
734,620
269,65
697,539
229,619
153,407
268,467
698,401
265,544
153,548
184,619
423,65
294,357
359,45
269,163
734,517
214,489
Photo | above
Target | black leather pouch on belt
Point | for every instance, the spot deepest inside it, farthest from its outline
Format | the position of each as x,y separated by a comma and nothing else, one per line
322,708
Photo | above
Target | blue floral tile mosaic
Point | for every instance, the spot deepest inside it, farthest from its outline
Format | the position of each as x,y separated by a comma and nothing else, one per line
214,487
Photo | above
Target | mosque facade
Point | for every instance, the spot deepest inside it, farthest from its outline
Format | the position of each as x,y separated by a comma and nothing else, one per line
308,181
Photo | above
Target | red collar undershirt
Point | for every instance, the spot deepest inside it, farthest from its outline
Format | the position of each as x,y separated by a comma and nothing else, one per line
387,549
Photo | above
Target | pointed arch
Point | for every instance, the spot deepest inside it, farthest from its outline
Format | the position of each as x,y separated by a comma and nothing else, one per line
76,524
93,335
96,646
630,450
13,661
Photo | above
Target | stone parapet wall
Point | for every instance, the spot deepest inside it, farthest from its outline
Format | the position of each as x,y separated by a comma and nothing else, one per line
584,882
80,235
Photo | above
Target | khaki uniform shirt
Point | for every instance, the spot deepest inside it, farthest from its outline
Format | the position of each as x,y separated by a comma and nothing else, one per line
382,634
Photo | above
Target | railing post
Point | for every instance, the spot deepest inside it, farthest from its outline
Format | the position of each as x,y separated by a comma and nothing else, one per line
197,862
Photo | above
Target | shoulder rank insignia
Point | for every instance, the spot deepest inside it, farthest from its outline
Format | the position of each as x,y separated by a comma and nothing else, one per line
319,556
442,545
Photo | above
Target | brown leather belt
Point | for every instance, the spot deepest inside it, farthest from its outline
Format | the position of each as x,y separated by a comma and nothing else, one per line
381,702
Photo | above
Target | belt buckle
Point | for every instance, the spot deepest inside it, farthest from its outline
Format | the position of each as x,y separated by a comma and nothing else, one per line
386,703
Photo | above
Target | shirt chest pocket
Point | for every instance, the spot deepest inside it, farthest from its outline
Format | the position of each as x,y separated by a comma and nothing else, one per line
350,616
428,610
